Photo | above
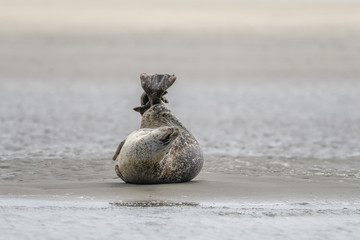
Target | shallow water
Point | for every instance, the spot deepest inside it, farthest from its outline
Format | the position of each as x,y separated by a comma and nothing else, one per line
23,219
59,120
51,129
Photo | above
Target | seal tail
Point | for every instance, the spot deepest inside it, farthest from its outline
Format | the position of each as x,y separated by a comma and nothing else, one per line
155,86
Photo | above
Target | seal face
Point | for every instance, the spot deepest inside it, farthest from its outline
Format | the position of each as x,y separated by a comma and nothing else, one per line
162,150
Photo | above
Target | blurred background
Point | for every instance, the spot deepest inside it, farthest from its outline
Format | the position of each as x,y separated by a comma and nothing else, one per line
268,79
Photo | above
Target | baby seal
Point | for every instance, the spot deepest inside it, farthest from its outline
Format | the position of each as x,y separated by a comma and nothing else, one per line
162,150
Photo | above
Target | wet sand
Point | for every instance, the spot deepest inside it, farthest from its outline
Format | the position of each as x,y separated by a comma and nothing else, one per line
213,205
220,189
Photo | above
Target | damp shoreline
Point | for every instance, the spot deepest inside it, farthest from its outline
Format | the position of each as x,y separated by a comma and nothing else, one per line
214,205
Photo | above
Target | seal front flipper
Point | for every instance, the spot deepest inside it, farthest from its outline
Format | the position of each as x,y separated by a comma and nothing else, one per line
142,108
118,149
155,86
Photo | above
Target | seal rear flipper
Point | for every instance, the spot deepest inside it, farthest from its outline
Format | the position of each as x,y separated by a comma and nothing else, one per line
145,105
155,86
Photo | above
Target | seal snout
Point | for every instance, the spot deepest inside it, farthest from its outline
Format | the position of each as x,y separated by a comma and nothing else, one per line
175,132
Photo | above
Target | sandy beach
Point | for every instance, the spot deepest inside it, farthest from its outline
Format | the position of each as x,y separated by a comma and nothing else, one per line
217,189
269,88
214,205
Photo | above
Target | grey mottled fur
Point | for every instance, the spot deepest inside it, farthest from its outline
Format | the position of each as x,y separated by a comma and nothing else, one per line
182,161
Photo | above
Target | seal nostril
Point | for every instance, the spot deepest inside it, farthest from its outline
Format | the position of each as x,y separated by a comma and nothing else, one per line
166,140
174,132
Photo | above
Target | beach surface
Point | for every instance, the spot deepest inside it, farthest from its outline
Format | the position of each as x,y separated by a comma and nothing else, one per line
270,89
214,205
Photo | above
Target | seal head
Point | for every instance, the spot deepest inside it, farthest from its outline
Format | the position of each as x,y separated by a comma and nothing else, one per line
142,156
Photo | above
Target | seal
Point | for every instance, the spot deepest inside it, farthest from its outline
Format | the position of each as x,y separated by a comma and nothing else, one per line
162,150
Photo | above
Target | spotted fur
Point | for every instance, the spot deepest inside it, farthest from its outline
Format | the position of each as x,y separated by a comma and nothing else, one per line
143,160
